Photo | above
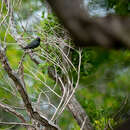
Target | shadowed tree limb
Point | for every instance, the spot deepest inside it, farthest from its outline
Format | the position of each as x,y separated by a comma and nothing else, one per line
108,32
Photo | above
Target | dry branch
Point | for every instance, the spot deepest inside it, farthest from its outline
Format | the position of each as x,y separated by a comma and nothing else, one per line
81,116
74,107
20,87
15,123
13,111
69,99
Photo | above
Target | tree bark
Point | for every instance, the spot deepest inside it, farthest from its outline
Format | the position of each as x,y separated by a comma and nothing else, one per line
79,114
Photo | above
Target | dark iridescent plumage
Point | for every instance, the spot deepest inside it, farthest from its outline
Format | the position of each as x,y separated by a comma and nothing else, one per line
35,43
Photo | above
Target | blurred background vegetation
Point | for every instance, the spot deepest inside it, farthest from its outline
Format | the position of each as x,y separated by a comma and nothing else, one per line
104,90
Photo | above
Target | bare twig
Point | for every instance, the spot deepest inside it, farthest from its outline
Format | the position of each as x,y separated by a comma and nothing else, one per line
66,86
21,62
70,96
20,87
15,123
5,17
13,111
61,101
83,123
37,78
75,108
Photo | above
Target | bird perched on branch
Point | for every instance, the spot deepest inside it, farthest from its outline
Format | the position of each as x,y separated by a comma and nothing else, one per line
35,43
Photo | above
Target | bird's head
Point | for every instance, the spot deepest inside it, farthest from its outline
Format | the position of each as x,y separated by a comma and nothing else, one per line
38,39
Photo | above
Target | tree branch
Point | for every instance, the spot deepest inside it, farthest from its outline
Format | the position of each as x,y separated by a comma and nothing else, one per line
108,32
35,115
70,101
74,107
14,112
15,123
79,114
20,87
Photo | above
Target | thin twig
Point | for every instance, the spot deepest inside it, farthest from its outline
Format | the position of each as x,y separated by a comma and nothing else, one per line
83,123
42,82
64,106
14,112
15,123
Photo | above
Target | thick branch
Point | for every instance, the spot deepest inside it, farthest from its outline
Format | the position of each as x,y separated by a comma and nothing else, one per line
19,83
79,114
33,114
20,87
109,32
15,77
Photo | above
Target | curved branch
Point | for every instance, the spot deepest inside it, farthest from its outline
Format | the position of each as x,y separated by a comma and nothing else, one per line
14,112
20,87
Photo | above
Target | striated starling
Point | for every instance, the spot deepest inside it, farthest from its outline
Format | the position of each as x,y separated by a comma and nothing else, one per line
35,43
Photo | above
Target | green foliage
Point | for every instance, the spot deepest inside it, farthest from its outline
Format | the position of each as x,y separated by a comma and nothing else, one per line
122,7
104,77
52,26
105,85
28,9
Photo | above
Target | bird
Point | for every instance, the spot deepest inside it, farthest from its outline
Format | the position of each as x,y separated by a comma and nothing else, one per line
34,44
